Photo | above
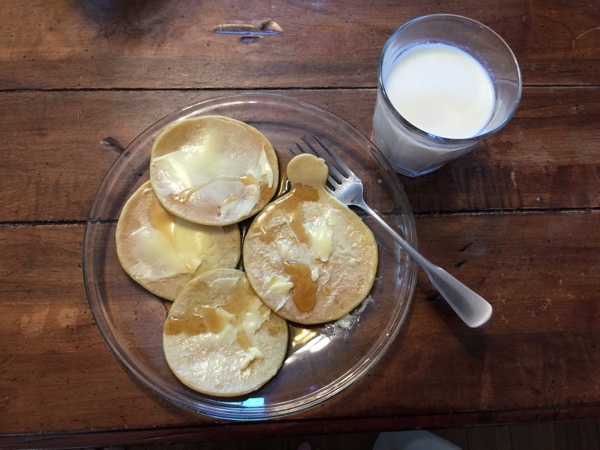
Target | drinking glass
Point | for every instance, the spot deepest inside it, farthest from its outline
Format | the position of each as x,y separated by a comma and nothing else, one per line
414,151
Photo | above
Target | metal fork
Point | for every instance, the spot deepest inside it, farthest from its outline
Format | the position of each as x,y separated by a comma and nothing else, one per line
347,187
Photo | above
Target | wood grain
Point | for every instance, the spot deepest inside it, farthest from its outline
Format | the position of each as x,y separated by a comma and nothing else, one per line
54,159
48,340
154,45
516,219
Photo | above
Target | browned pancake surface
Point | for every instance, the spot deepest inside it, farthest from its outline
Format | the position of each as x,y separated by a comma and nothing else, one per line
163,252
213,170
308,256
220,338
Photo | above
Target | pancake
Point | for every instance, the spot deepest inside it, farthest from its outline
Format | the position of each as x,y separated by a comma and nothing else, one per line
163,252
213,170
220,339
308,256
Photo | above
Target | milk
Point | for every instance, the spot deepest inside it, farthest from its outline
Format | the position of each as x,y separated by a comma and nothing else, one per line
442,91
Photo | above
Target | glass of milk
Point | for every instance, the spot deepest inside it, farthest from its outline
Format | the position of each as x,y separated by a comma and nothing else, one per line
445,82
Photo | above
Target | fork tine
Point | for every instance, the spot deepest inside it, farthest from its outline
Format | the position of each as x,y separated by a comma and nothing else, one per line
331,182
334,173
334,179
340,163
296,151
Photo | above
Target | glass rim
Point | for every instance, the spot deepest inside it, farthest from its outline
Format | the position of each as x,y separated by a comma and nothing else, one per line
431,136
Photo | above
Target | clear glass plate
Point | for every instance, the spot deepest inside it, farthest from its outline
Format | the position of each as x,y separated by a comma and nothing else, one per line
322,360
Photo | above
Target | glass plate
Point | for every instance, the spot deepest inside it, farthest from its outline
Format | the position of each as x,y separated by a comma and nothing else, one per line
322,360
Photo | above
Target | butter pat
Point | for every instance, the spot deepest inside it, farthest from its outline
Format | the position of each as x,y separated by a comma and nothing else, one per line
321,238
279,284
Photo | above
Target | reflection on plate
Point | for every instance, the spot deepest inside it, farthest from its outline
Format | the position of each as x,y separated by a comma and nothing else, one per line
322,360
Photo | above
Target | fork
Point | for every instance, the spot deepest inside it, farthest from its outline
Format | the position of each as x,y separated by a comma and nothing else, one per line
347,187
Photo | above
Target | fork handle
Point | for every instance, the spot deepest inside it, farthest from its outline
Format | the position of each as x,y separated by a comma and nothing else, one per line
472,308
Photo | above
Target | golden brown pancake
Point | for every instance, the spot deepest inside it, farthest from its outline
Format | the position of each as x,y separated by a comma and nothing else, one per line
163,252
220,338
213,170
308,256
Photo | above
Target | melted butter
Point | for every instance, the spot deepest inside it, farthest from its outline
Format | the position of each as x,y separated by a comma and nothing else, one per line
177,246
188,323
301,280
215,319
243,313
246,179
321,238
214,163
160,218
279,285
231,199
299,194
252,354
304,292
243,340
291,208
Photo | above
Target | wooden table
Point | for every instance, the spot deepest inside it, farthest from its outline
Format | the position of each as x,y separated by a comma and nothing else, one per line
517,219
